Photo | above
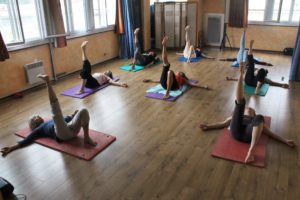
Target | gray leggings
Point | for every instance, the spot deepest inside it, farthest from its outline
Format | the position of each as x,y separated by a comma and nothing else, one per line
67,131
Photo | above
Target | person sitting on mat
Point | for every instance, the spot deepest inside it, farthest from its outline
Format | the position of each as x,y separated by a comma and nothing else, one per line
189,51
245,125
97,79
256,79
139,58
168,80
59,128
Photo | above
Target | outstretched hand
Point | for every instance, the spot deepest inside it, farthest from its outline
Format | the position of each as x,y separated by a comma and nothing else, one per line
291,143
124,85
5,151
204,127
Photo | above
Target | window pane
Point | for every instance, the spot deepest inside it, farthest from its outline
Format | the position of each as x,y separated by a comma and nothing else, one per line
111,12
9,23
276,10
29,17
285,10
63,12
296,12
78,15
99,13
256,10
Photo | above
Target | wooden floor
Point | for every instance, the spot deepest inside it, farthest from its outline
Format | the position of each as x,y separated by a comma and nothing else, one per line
160,153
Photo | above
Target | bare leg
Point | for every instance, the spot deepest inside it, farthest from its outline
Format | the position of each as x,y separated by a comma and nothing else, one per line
84,57
273,83
191,53
166,62
186,51
169,83
87,138
136,42
164,51
51,93
258,86
256,133
268,132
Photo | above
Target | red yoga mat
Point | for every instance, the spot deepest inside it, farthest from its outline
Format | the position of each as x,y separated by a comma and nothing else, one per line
75,147
231,149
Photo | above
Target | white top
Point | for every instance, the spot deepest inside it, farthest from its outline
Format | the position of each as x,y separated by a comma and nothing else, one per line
101,78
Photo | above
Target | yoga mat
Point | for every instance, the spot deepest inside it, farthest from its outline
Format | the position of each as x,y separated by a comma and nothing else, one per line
251,90
158,92
228,148
75,147
183,59
128,67
71,92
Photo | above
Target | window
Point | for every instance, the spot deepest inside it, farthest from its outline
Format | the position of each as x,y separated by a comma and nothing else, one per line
81,16
23,21
274,11
15,15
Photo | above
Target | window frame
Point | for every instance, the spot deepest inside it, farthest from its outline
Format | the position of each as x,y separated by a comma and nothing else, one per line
268,11
89,19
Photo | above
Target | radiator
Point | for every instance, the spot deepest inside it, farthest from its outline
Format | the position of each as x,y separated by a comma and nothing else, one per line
32,70
214,26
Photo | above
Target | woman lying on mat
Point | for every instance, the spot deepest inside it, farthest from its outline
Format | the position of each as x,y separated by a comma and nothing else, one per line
245,125
189,51
257,78
59,128
97,79
168,79
139,58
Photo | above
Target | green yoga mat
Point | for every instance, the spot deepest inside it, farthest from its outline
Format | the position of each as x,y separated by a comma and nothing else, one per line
128,67
251,90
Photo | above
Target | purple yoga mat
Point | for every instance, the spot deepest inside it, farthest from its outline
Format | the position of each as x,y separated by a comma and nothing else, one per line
71,92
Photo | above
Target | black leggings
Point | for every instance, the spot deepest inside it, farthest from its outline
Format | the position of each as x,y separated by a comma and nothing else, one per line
241,126
250,78
85,73
164,78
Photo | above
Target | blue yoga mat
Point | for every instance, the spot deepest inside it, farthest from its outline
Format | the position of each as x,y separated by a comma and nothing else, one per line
251,90
128,67
183,59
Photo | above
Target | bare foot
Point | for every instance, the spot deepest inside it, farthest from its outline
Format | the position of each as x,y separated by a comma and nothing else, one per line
187,28
136,31
45,77
165,40
249,158
167,95
83,45
79,92
89,141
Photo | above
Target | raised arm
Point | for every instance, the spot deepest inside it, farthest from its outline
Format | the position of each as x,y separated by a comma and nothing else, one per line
217,125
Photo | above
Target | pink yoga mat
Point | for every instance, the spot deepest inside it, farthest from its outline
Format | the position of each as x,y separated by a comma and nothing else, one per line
75,147
228,148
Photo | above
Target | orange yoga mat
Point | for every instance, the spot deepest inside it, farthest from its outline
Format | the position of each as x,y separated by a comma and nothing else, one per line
75,147
231,149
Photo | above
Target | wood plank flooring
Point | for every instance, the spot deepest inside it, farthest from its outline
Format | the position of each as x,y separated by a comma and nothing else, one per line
160,153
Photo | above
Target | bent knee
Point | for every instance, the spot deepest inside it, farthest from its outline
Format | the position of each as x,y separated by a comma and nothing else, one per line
84,116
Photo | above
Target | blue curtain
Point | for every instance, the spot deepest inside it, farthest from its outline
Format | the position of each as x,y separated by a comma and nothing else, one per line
131,11
295,68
